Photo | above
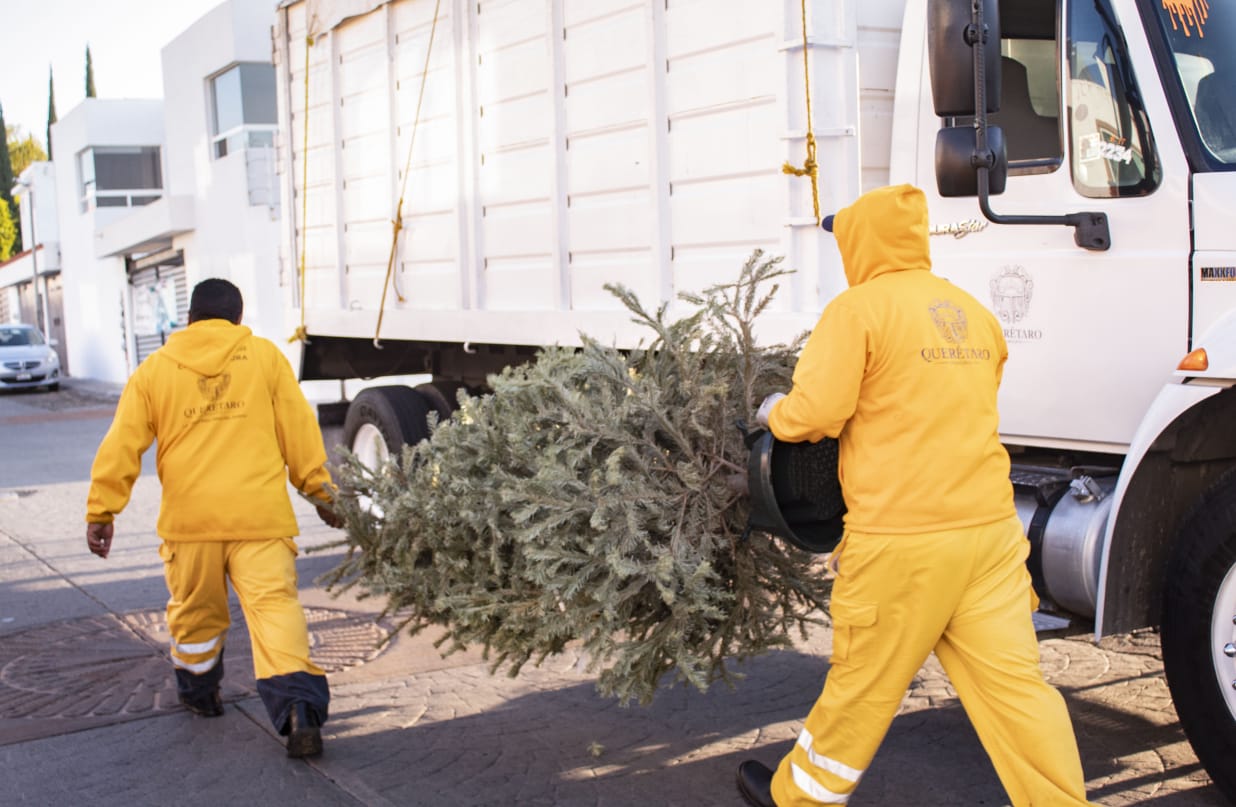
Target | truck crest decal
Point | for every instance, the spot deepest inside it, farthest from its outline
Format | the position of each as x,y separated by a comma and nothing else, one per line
950,321
1011,290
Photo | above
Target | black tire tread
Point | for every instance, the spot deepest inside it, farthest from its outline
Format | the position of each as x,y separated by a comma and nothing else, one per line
440,400
1204,553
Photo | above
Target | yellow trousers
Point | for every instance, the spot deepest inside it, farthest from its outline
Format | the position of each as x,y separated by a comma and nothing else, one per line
263,574
966,595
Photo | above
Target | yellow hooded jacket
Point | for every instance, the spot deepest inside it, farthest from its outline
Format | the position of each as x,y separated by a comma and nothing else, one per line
232,427
903,367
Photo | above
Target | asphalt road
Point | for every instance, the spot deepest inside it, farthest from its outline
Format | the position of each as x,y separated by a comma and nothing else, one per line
88,713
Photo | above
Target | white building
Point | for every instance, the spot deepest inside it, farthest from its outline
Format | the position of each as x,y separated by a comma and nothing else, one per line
109,178
151,196
21,298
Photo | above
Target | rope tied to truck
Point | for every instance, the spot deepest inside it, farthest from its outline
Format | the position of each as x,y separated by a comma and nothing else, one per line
302,333
809,168
397,224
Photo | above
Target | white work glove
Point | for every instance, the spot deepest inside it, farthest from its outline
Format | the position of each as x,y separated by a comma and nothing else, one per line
766,408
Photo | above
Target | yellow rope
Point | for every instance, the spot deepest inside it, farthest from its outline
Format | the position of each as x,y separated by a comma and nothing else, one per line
810,168
302,333
397,224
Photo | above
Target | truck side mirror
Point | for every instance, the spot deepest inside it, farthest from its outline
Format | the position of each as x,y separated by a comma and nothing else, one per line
950,37
957,156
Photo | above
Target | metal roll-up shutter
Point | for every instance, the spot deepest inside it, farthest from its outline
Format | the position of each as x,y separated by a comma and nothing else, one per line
159,295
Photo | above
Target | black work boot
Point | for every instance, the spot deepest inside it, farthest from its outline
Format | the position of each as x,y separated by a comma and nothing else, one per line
207,704
755,783
199,692
304,732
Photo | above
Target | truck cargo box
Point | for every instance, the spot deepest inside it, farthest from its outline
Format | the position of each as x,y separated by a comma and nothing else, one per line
551,148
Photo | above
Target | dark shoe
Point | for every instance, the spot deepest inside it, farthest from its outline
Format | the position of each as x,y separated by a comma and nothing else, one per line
755,783
304,732
209,705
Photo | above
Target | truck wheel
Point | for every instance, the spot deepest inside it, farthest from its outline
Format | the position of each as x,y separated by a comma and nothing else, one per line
440,398
1199,631
382,420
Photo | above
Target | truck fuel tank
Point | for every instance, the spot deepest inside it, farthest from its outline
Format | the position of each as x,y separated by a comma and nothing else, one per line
1064,512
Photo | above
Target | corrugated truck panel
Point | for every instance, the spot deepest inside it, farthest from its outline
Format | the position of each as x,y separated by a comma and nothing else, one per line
564,144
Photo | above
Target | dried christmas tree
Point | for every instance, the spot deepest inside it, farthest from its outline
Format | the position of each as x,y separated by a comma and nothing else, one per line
598,497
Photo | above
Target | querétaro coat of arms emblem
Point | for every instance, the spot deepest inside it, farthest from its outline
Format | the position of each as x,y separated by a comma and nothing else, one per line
1011,290
213,387
950,321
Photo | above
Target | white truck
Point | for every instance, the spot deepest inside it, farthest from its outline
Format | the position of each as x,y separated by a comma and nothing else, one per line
530,151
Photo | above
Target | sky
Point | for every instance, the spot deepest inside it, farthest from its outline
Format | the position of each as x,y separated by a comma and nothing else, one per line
125,39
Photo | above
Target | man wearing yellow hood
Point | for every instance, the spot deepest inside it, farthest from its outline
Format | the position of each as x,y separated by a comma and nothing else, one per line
233,427
903,369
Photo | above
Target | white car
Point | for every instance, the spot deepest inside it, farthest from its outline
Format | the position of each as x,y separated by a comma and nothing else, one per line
26,360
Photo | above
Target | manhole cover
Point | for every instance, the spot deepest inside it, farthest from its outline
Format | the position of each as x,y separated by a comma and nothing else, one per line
104,666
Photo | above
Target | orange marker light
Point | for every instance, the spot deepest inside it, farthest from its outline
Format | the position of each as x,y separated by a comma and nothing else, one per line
1196,361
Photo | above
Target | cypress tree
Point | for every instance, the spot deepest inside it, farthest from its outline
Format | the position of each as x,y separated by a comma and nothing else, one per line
8,233
7,181
51,108
89,75
596,497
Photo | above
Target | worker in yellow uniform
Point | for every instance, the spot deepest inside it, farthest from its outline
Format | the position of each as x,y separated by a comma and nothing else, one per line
903,369
233,427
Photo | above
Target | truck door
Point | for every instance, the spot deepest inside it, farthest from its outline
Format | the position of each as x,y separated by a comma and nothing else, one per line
1092,334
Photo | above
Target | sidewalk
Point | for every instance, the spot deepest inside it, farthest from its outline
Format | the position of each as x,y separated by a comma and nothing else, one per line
88,712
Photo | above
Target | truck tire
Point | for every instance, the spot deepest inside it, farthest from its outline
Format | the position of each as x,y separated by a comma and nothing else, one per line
382,420
441,398
1199,631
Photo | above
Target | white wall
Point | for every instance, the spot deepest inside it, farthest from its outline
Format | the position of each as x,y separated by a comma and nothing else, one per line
41,177
94,288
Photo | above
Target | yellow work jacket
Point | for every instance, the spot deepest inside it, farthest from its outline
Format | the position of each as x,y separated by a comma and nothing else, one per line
232,427
903,368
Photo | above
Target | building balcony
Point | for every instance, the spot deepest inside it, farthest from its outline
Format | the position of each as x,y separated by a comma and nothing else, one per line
147,228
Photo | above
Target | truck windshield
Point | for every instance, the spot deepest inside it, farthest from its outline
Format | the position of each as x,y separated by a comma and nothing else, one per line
1199,35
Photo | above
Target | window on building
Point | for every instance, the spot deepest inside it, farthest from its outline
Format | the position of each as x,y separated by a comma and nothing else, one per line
119,176
242,102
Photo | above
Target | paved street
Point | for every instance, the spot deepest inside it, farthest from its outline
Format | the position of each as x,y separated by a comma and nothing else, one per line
88,713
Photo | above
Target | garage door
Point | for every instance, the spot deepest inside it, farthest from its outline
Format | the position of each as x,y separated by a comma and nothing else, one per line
159,300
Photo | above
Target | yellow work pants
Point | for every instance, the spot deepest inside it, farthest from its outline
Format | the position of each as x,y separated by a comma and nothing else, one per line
966,595
263,574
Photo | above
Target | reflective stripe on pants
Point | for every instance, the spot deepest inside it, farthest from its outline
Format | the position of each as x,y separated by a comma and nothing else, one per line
263,574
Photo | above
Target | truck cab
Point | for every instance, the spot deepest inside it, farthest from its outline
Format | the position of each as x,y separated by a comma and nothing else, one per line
1116,404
